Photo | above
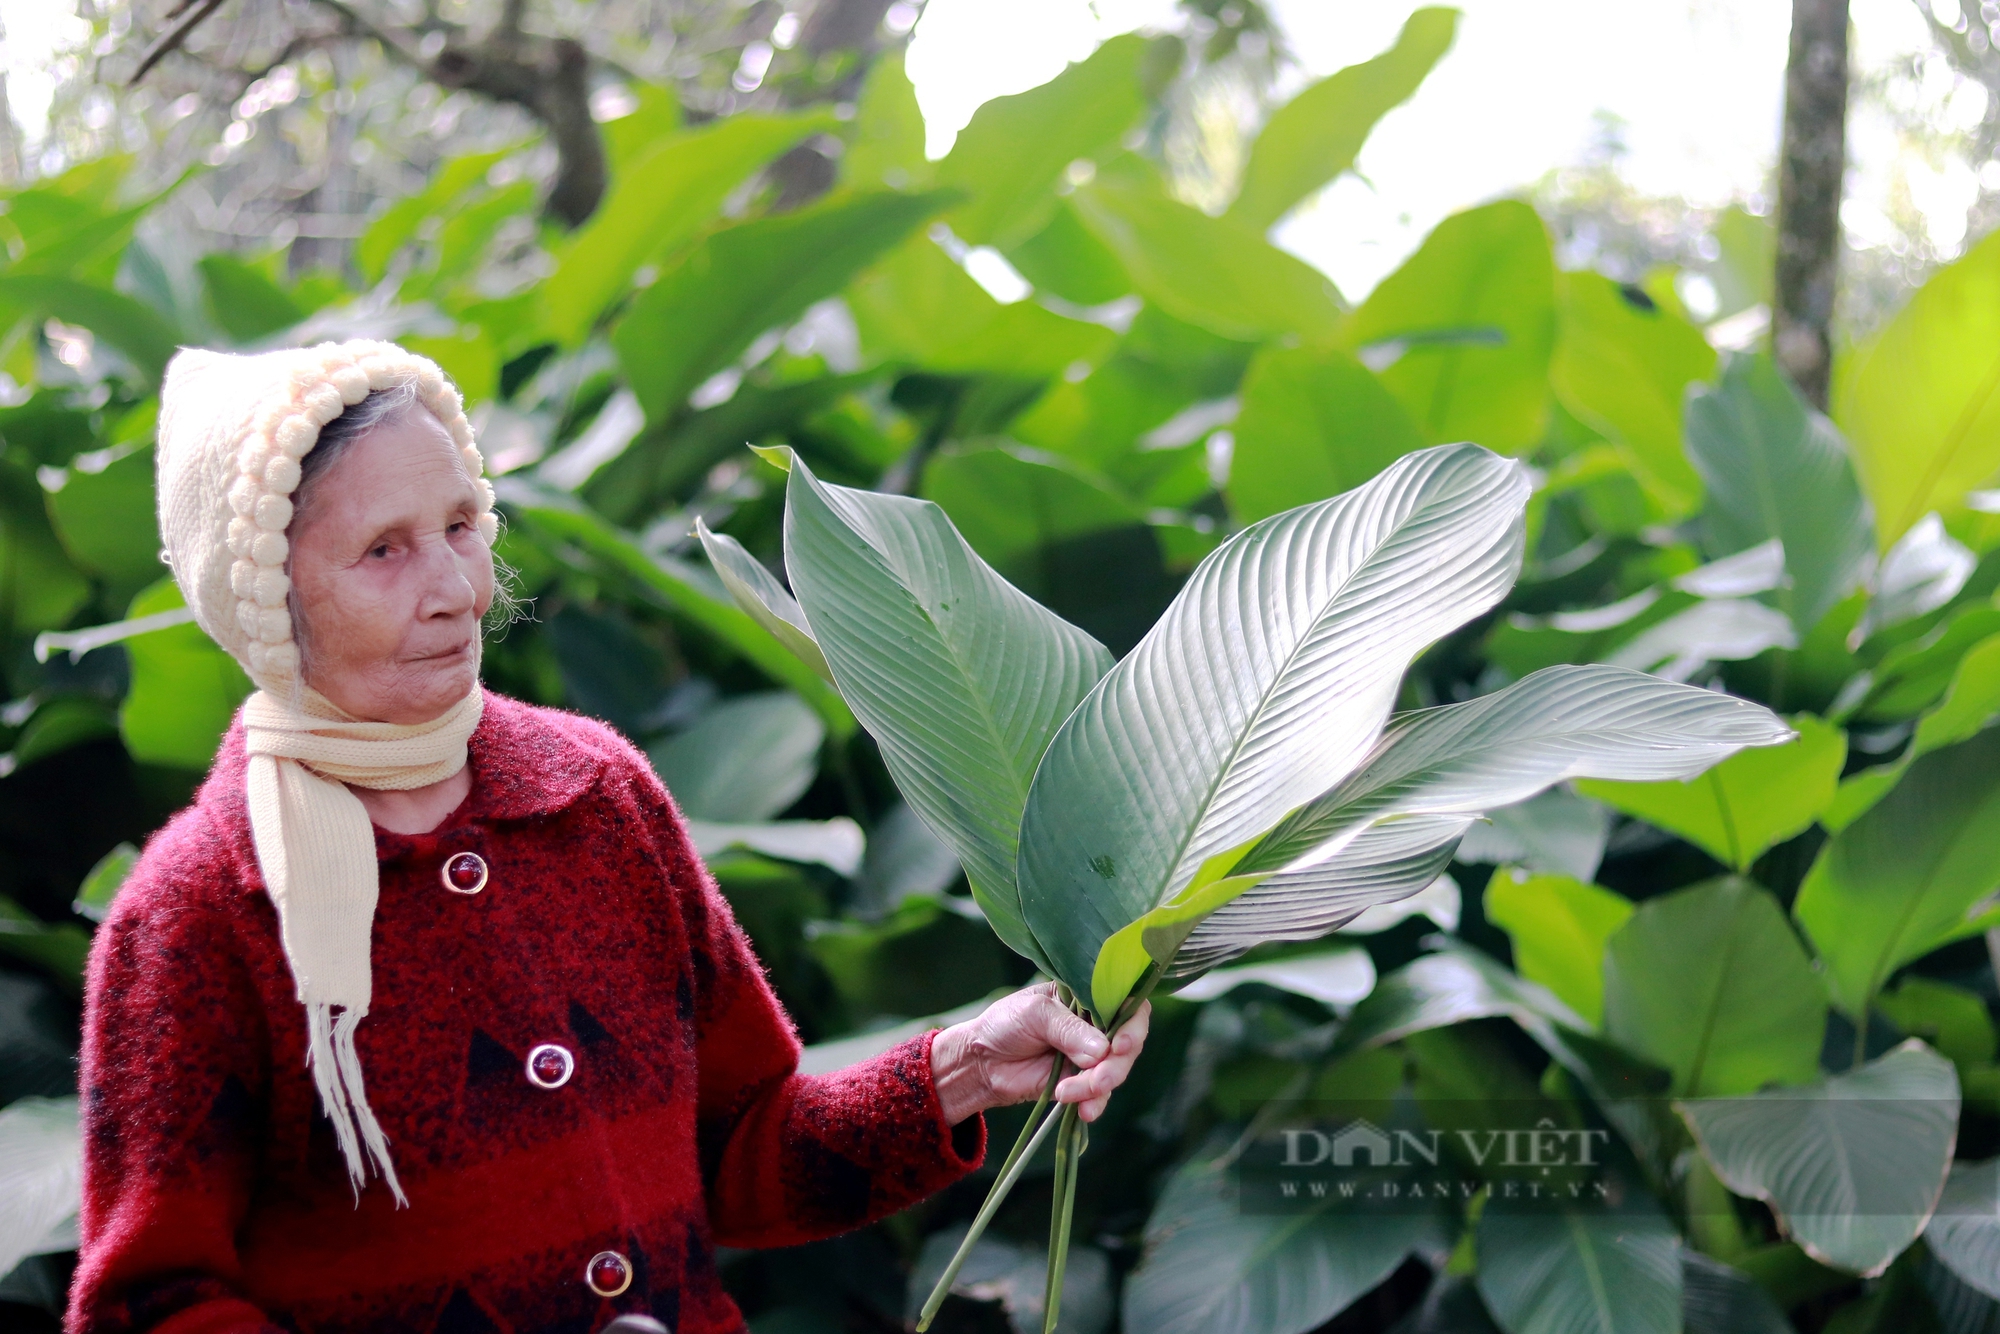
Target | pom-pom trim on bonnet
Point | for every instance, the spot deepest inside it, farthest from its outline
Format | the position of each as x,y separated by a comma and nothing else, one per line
283,425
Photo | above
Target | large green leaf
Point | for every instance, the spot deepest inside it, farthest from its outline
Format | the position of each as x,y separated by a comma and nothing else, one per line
1719,1299
1314,422
1470,322
758,592
746,759
1922,572
1969,704
1265,682
923,957
400,222
919,307
1907,876
887,143
681,588
58,724
1161,366
1061,534
1559,926
1335,977
1748,803
41,1178
1065,259
132,327
1427,780
1853,1164
1016,1275
1623,364
1560,723
1773,467
463,238
1012,505
39,586
655,114
1422,785
1920,401
961,679
1218,273
707,308
1952,1019
106,522
1572,1271
101,886
58,949
184,689
1382,864
660,202
1314,137
1711,982
837,844
1964,1233
1011,154
1917,673
1459,983
667,461
1211,1266
1556,833
242,299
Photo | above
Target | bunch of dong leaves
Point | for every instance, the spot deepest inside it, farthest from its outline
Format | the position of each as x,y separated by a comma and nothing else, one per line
1238,777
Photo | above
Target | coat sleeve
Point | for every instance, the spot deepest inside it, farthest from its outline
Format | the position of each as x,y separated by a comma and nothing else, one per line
790,1158
175,1065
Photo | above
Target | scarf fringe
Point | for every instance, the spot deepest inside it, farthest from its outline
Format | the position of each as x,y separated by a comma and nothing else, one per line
336,1070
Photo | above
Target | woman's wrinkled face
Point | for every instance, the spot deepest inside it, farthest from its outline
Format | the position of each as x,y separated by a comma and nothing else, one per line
391,574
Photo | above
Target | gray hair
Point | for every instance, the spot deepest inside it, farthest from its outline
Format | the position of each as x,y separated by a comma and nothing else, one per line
381,407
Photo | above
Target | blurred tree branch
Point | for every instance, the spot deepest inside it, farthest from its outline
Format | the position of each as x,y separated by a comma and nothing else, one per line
1811,163
186,20
547,77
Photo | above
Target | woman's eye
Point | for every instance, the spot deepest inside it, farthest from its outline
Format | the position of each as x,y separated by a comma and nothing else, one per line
380,550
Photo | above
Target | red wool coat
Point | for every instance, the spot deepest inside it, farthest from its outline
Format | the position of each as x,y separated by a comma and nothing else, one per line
216,1200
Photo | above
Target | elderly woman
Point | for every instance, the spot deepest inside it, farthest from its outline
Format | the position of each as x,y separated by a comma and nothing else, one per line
425,1015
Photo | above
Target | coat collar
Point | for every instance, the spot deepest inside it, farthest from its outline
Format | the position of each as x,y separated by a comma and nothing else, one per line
526,761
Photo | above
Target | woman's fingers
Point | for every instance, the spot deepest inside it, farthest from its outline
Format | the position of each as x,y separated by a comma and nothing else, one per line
1014,1042
1045,1023
1092,1088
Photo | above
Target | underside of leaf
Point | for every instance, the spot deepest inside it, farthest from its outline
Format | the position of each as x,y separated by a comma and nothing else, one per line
1265,683
960,677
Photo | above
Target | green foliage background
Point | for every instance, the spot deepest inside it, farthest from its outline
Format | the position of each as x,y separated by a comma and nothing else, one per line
1792,920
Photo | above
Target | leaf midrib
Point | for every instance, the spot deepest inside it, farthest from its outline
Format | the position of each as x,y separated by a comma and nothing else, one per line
1948,450
1159,892
1018,786
1370,801
1696,1067
1600,1294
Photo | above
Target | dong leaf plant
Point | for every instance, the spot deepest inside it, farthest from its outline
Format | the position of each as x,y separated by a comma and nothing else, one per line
1238,777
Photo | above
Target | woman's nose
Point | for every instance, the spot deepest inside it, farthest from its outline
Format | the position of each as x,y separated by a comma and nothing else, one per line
447,590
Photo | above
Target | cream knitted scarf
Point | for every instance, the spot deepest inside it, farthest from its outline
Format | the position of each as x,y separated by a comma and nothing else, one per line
316,846
232,430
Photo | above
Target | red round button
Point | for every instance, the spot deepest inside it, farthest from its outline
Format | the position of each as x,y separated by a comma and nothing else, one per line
608,1273
465,873
550,1066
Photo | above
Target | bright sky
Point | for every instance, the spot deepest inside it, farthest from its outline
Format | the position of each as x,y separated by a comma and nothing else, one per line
1698,83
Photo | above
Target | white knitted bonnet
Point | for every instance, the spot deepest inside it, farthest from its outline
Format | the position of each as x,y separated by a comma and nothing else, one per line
232,431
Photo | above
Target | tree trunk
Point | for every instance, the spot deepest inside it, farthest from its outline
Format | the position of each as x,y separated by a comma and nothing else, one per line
1811,163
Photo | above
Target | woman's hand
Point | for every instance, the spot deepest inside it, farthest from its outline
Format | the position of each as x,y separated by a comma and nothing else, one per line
1003,1056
